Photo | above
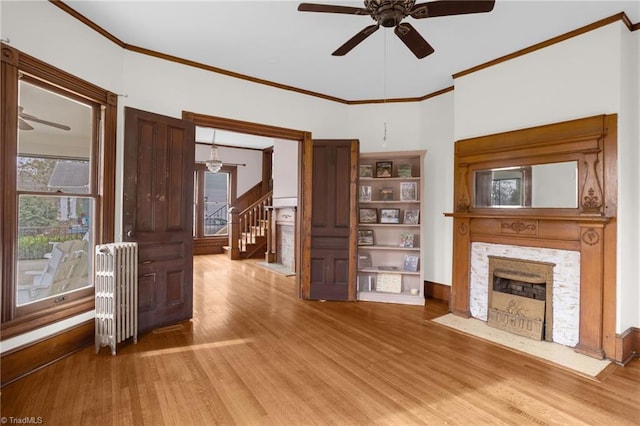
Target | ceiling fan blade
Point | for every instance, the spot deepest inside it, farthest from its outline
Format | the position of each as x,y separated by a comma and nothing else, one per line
355,40
23,125
328,8
413,40
450,7
45,122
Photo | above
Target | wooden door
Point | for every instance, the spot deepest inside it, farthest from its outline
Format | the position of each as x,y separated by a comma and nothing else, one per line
333,220
159,156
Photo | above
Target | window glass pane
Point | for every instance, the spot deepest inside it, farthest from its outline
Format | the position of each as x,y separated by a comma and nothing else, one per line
51,174
216,200
54,246
54,141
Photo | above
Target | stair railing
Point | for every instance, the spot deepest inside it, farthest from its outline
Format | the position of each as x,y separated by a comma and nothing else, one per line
248,224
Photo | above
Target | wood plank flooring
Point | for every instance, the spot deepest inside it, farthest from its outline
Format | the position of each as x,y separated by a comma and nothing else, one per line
255,354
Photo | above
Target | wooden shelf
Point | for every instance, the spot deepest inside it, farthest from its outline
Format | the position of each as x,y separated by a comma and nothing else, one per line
386,237
390,202
388,247
404,298
373,270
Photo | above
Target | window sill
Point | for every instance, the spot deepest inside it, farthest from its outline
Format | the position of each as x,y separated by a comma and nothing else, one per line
45,317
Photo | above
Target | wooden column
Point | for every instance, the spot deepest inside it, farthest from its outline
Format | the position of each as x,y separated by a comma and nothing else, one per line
270,254
592,290
234,233
459,301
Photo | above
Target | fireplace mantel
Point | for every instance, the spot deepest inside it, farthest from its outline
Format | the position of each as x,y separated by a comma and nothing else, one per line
589,229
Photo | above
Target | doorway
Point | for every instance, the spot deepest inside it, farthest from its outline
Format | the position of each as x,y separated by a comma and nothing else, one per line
277,133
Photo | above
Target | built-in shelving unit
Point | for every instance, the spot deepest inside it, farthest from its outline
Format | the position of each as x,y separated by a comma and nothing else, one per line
390,214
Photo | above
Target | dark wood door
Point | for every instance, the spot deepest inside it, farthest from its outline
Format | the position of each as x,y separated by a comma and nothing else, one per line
159,156
333,220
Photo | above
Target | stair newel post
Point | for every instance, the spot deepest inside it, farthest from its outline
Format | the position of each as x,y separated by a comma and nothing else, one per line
270,255
234,233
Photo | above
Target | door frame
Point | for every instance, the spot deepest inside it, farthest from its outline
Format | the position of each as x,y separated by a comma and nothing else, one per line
303,212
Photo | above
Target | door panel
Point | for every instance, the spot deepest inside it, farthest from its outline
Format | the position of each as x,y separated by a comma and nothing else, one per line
332,242
157,202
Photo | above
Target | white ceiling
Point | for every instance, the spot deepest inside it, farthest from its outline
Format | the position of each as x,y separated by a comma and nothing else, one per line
271,40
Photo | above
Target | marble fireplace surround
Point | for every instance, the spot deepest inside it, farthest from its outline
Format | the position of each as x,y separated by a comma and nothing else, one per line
589,230
565,287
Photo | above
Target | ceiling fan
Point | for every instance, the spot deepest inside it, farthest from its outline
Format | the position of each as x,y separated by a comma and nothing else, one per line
390,13
23,125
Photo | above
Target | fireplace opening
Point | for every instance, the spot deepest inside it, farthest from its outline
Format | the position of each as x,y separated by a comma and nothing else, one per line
521,297
531,290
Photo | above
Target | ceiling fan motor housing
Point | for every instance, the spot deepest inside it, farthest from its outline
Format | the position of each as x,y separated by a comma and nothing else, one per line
389,13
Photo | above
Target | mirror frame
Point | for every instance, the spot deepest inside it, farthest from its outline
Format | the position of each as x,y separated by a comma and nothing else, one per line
585,141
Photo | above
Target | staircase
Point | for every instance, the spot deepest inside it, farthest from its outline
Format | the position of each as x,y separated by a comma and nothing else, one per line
249,230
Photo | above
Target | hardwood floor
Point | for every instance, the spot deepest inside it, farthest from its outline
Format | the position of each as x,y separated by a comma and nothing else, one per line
256,354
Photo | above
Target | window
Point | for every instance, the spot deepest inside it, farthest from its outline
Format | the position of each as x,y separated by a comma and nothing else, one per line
55,194
212,198
58,201
216,202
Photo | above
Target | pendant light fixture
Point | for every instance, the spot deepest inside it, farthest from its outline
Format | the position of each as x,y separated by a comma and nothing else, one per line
214,164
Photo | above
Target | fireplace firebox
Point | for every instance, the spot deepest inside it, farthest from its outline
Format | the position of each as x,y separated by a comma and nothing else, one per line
521,297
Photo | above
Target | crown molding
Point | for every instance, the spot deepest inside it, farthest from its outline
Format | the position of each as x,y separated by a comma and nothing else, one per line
606,21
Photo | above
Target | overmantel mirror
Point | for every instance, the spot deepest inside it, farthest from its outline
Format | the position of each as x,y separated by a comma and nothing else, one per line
552,185
531,171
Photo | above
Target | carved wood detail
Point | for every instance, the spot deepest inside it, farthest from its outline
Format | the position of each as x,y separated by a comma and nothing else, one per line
591,237
592,199
518,227
463,228
464,200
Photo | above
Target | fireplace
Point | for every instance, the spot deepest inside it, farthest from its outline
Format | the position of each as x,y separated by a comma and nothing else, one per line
521,297
586,229
285,222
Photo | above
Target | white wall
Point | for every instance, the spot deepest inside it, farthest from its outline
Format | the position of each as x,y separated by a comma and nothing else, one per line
437,127
628,184
36,29
577,78
636,81
586,75
285,171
